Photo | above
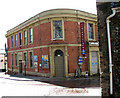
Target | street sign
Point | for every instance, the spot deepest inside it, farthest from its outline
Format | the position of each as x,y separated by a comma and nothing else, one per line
80,60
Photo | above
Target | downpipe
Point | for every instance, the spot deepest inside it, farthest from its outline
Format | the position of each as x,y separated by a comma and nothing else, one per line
109,47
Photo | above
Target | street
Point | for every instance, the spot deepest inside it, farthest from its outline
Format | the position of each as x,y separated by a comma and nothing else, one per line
17,86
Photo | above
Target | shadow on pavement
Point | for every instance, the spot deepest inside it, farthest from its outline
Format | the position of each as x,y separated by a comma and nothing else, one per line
76,83
65,82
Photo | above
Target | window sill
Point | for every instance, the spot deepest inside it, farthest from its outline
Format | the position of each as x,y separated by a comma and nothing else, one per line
30,43
58,39
91,40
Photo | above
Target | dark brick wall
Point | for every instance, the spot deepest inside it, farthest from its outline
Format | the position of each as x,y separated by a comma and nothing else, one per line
103,11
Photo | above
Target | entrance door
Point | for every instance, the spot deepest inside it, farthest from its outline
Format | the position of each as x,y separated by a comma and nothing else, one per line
59,63
94,62
20,67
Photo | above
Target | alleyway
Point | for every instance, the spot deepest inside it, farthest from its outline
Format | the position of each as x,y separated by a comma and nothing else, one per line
39,86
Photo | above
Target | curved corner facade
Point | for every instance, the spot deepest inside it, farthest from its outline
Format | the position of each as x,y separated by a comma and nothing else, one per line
54,43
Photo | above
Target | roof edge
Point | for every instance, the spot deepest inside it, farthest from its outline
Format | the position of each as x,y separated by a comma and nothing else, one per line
51,12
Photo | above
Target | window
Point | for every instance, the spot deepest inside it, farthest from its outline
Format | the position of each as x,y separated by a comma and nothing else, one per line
20,39
57,29
45,61
16,40
15,59
25,37
12,41
12,60
90,31
31,59
25,59
31,35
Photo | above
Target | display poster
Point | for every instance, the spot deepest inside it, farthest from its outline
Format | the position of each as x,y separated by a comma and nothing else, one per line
45,61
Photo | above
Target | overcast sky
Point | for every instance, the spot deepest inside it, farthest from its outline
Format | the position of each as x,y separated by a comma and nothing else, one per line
14,12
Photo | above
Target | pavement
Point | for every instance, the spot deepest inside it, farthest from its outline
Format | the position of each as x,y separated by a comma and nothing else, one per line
81,82
19,85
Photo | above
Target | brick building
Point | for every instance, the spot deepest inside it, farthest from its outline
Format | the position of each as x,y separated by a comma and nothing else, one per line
104,10
54,43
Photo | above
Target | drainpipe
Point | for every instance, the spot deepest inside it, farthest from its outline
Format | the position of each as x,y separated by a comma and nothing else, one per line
114,10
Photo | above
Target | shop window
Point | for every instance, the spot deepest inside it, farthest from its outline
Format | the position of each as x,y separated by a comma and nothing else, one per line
90,31
57,29
25,37
31,35
15,59
11,41
20,39
45,61
25,59
16,40
31,59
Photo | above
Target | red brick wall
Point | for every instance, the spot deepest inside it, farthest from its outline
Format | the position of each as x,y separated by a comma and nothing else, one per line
72,58
70,30
42,36
9,60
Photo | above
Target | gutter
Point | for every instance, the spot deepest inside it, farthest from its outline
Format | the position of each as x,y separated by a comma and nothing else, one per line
114,10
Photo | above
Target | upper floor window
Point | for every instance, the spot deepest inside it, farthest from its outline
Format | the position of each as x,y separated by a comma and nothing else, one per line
57,29
90,31
16,40
20,39
25,37
31,35
12,41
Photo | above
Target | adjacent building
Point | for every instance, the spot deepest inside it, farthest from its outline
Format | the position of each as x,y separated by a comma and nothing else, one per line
111,10
3,61
54,43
